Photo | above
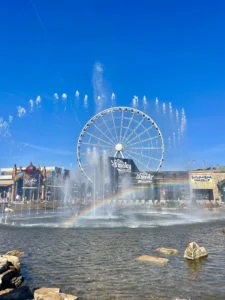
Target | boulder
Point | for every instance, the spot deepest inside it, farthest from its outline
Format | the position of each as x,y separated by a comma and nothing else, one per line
7,276
167,251
224,230
14,260
22,293
3,264
5,291
193,251
47,294
153,260
14,282
52,294
15,253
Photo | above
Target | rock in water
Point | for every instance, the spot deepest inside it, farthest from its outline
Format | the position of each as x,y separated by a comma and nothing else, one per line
5,291
14,282
47,294
22,293
193,251
52,294
14,260
153,260
167,251
3,264
7,276
15,253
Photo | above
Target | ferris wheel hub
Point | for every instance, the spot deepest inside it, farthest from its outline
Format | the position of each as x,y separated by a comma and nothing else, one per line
119,147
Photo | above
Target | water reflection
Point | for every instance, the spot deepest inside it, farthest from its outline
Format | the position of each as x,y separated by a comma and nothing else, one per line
195,266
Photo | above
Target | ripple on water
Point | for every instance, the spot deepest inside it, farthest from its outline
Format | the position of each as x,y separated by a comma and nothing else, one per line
99,263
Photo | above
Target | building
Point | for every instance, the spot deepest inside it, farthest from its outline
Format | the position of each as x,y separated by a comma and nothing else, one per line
207,184
115,175
33,183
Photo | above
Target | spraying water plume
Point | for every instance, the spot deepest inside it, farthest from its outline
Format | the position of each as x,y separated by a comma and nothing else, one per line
164,108
183,121
157,104
170,109
77,94
145,103
64,96
38,100
56,96
177,116
113,99
4,128
86,101
100,95
31,105
135,101
21,111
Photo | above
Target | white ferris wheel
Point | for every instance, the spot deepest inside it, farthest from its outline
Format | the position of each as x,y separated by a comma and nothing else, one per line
122,132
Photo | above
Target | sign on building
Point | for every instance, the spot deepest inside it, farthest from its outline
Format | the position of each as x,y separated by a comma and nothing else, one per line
201,178
120,165
144,177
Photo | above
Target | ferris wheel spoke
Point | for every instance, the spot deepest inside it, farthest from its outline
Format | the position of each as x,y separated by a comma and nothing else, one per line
109,130
97,138
112,143
136,159
96,145
149,157
150,139
143,132
147,148
139,124
114,126
127,146
121,125
128,127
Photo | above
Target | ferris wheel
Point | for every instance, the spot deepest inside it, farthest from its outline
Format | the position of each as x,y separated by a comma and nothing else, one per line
122,132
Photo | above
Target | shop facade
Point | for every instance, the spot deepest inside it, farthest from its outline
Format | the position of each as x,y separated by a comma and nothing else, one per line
32,183
207,185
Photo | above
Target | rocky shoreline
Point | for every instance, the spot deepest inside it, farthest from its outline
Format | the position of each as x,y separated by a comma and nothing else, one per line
11,280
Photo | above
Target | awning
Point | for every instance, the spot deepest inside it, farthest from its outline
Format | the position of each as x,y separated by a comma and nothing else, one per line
6,182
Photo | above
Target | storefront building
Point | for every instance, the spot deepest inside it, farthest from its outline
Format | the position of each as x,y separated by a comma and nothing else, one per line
53,183
207,185
32,183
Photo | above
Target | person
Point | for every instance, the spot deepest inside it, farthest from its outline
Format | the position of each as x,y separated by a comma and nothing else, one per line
8,196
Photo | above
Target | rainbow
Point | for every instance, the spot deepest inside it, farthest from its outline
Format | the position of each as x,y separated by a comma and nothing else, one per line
123,193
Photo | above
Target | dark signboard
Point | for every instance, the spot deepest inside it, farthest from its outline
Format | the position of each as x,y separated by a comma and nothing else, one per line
30,180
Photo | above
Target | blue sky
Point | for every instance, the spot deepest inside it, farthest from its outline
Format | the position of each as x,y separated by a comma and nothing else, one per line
173,50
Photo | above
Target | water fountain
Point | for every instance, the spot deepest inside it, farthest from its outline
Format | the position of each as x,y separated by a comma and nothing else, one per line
120,153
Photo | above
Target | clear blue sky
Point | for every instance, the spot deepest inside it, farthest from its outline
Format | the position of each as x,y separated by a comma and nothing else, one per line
173,50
